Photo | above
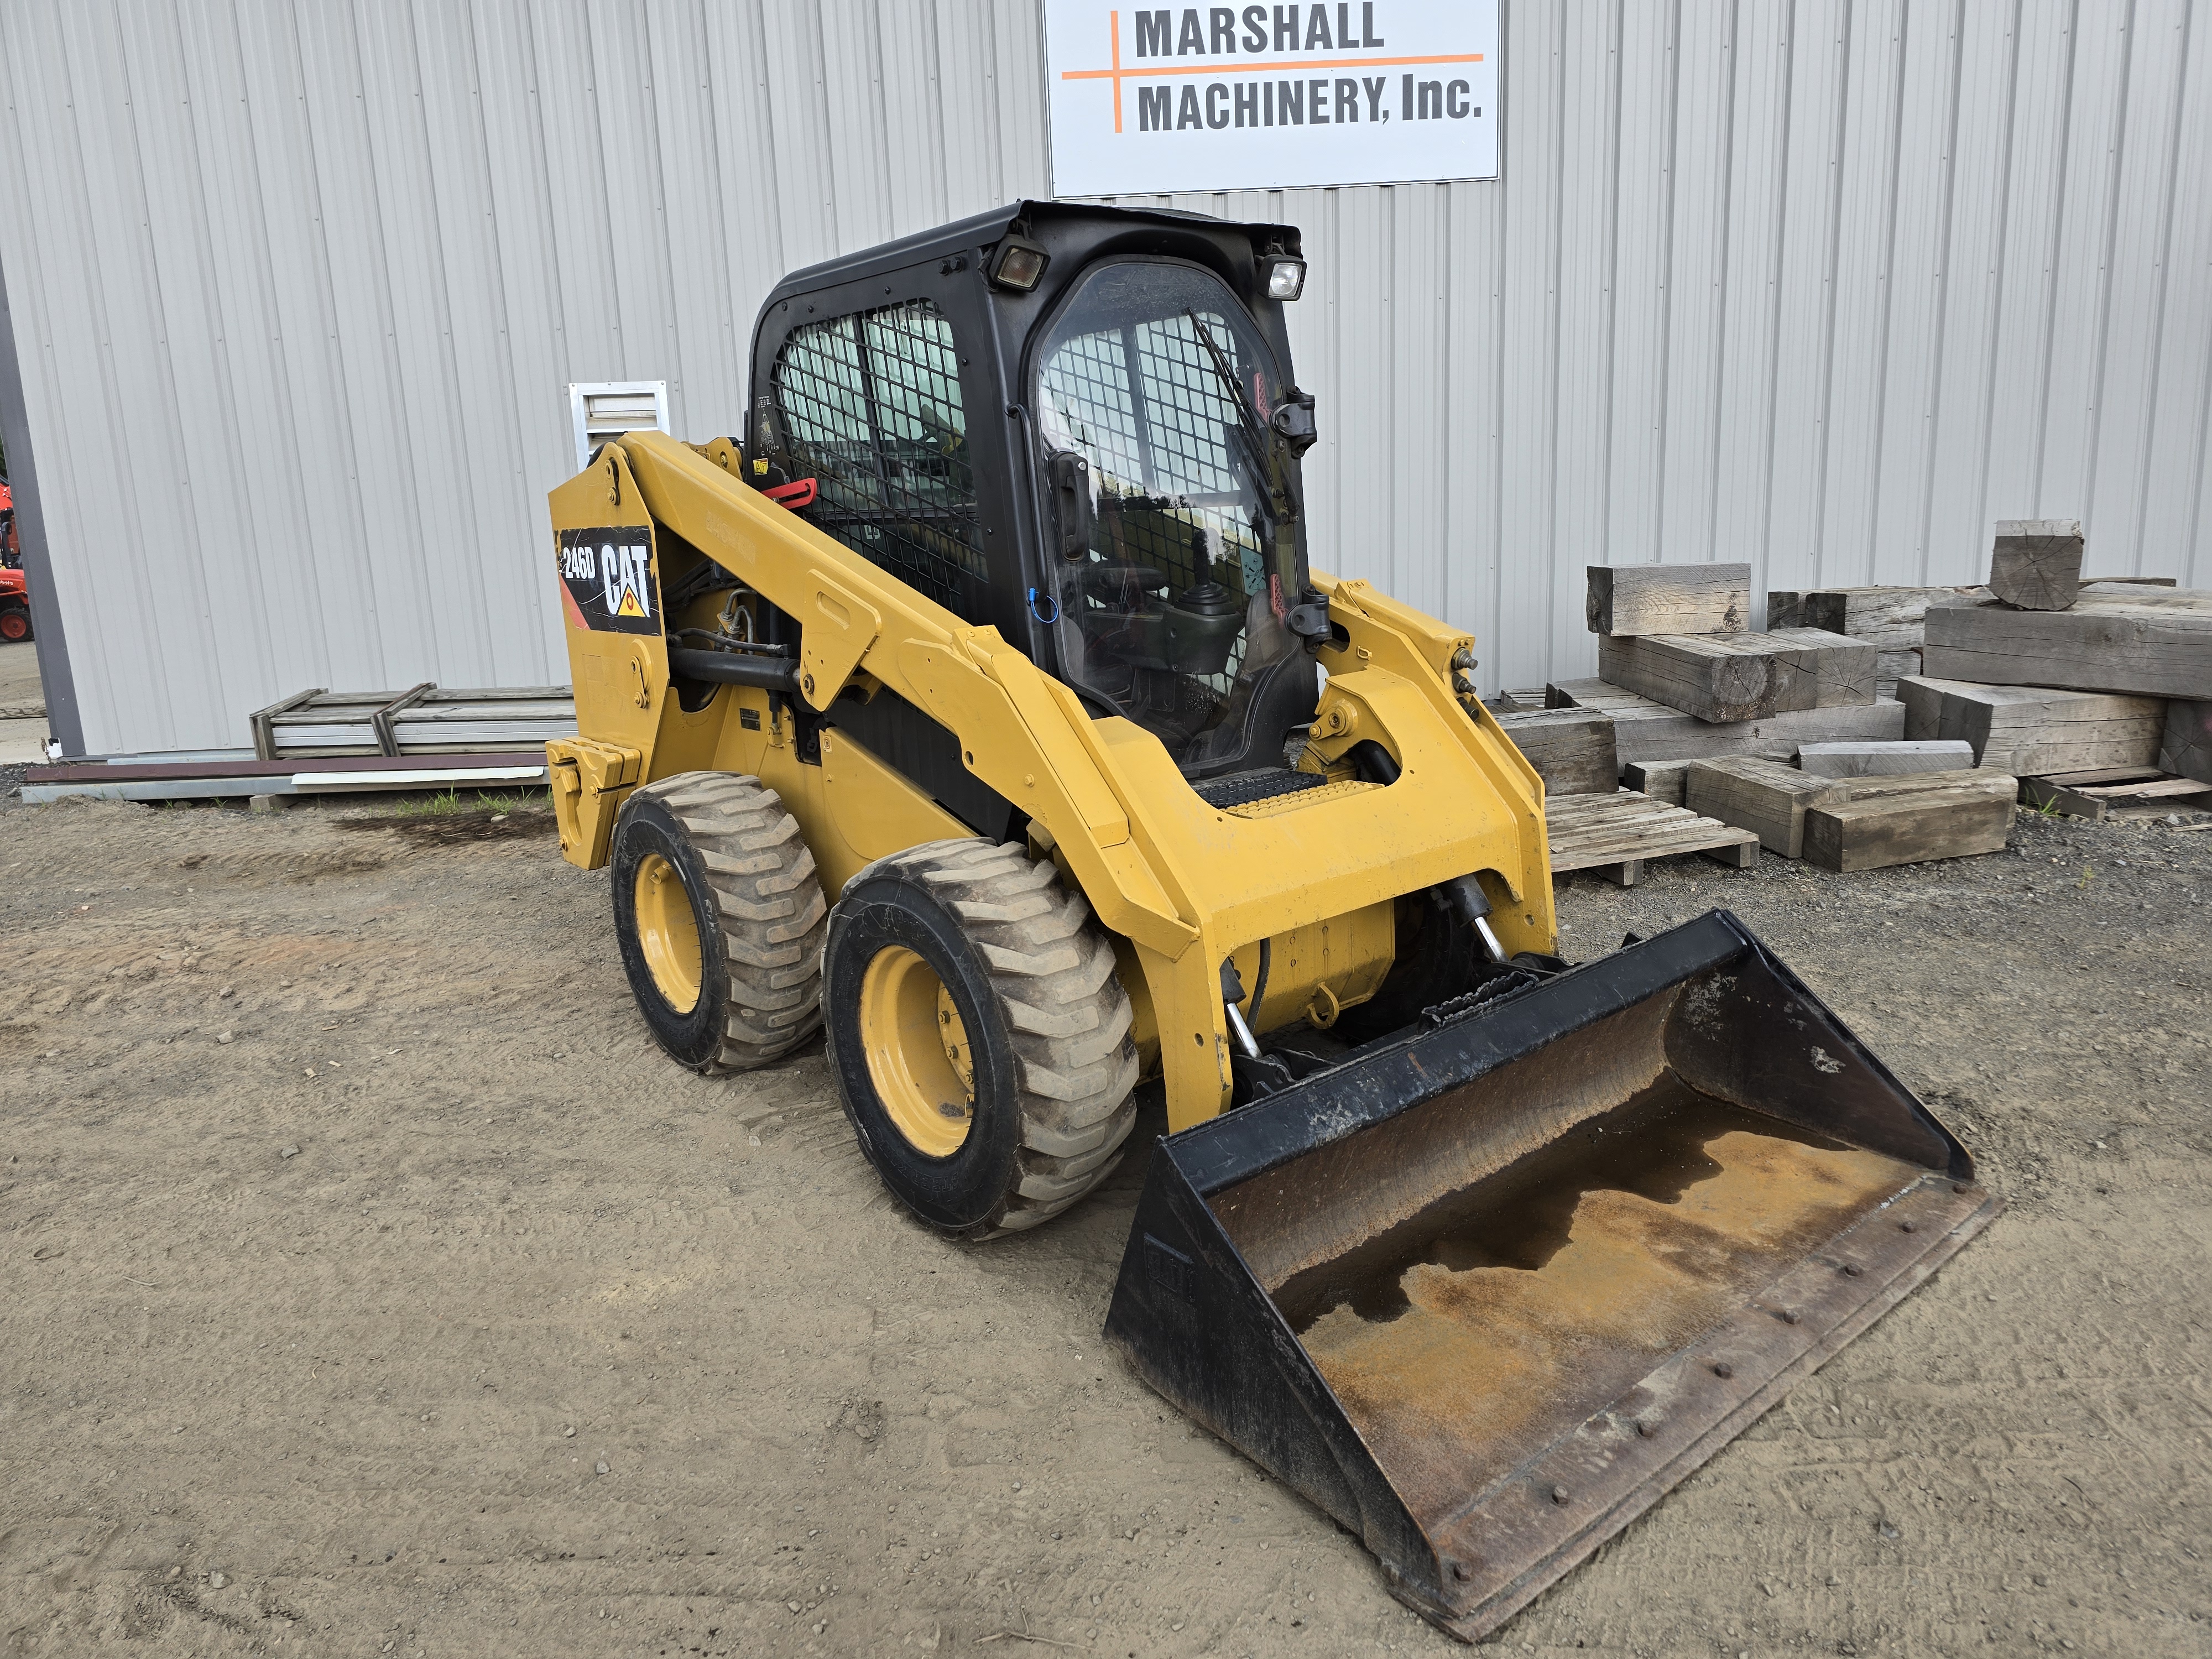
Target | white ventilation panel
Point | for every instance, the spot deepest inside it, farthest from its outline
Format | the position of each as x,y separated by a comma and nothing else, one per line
606,409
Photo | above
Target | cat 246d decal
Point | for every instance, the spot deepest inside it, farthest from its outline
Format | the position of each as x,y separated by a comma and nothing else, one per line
606,578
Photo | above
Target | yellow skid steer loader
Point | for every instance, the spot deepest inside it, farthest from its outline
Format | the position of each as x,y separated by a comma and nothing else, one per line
978,707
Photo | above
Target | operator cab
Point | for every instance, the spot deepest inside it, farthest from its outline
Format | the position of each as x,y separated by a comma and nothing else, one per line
1076,424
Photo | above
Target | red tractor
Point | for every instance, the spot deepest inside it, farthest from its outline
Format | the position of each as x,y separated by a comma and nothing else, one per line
15,590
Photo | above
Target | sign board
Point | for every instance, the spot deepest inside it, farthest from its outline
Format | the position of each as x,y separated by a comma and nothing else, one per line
1153,99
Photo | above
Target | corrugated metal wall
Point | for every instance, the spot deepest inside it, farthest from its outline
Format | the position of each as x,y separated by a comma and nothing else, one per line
298,287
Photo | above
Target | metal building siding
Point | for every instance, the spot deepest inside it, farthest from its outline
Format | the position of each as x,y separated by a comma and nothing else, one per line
1824,285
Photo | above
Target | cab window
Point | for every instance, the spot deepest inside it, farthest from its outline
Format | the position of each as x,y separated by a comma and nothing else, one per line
869,405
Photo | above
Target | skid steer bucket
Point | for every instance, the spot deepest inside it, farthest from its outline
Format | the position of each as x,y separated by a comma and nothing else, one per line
1489,1288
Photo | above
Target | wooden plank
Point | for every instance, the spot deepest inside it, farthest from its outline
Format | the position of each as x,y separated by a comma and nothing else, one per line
1907,828
2095,584
1571,749
2095,801
2034,729
1888,619
2036,563
1725,677
1785,608
1864,760
1986,779
1668,599
2153,643
1644,729
2186,746
1659,780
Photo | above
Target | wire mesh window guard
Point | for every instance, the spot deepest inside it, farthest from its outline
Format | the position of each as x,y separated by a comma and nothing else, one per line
871,406
1175,602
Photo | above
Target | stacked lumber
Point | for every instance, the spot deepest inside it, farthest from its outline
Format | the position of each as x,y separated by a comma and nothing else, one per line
1890,619
2027,730
1646,730
1571,749
1856,823
1725,677
2154,642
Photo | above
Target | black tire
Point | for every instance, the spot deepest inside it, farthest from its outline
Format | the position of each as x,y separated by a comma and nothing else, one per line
15,625
756,904
1047,1021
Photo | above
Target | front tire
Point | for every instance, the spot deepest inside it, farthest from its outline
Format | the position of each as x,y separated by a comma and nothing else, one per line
720,918
15,624
978,1035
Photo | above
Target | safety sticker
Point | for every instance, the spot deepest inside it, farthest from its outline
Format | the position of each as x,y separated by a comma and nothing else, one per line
607,574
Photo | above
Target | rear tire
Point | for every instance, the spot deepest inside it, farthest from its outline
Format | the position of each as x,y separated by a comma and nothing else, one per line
15,624
963,966
720,919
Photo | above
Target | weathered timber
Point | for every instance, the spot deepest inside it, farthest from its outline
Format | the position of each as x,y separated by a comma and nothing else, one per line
1668,598
2095,795
2036,563
1723,677
1645,730
1660,779
2187,745
1875,832
1784,608
1876,760
1891,667
1888,619
1615,836
1843,669
2025,729
1763,796
2088,583
2154,642
1571,749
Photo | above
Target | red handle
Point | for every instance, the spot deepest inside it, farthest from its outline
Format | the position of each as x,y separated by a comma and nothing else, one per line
794,495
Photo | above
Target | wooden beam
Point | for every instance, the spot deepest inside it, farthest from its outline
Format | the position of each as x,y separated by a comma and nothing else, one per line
1645,730
1869,760
1763,796
2094,794
1723,677
1668,598
2034,729
2036,563
1888,619
2155,643
1571,749
1659,780
2187,745
1874,833
1785,608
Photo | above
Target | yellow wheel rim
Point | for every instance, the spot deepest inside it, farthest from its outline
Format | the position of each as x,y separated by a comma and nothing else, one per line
918,1054
667,931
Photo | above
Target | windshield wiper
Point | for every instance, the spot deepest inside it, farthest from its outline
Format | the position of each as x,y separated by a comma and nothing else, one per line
1255,431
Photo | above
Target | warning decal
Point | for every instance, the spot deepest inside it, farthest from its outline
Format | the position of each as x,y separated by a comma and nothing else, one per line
608,575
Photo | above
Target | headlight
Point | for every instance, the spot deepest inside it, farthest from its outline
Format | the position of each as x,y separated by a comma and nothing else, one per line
1018,263
1287,279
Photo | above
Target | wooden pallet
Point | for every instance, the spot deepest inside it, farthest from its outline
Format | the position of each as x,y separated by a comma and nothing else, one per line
1616,834
2095,794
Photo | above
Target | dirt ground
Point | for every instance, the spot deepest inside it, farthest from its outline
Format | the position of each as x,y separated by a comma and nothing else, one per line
375,1286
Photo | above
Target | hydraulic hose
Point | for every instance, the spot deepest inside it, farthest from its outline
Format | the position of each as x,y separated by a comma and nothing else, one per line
735,668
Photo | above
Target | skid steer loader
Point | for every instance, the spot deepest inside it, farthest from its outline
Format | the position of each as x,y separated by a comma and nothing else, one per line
978,705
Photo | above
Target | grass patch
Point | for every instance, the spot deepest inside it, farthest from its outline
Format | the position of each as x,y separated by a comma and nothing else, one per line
454,801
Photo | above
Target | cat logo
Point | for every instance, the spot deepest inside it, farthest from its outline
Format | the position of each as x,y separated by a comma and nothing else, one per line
623,571
606,578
